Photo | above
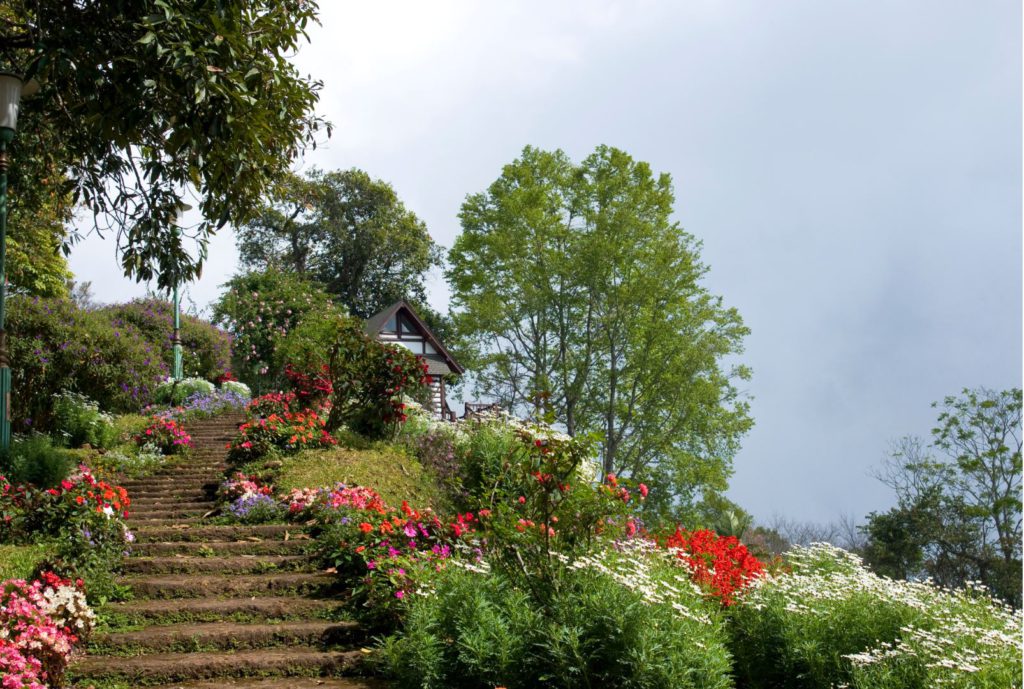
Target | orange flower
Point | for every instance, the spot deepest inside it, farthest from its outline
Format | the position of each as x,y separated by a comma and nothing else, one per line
365,527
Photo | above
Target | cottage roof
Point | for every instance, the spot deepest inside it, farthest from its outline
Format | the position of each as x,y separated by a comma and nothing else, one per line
438,364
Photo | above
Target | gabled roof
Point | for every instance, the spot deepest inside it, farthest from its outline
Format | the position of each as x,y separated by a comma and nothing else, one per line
376,323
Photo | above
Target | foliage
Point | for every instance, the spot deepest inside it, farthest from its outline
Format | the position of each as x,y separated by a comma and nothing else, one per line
346,231
141,100
175,392
20,561
55,346
205,349
597,631
77,421
832,623
958,512
260,309
585,305
131,464
35,460
165,434
36,232
255,509
367,378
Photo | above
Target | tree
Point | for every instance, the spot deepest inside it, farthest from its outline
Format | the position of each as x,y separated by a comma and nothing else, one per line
142,100
347,231
958,512
583,304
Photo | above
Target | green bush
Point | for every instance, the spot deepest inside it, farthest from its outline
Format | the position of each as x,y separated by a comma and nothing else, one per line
77,421
175,392
259,309
478,631
34,460
833,623
236,387
143,462
56,346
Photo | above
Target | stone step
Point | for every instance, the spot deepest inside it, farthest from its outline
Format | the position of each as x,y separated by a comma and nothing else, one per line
192,610
238,564
146,520
225,636
176,531
152,503
169,513
183,493
207,548
225,585
173,667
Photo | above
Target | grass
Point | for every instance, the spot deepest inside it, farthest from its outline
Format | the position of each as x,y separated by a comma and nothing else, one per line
20,561
386,468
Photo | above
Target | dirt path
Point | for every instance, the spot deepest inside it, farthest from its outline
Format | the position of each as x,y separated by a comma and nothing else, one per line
215,605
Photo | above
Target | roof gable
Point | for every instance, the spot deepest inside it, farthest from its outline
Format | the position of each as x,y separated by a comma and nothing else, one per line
377,322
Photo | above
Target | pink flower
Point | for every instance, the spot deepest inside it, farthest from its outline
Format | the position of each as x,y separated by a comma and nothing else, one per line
643,490
399,594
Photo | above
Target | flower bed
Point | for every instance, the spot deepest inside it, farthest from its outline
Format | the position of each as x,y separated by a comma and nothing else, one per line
167,434
275,426
40,623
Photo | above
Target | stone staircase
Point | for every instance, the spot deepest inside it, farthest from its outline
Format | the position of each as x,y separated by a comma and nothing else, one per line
218,605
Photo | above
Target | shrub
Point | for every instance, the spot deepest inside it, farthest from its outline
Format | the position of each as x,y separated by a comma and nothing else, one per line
171,391
77,421
285,433
366,378
235,387
833,623
56,346
255,509
144,462
206,350
201,405
482,630
35,461
260,309
721,564
166,434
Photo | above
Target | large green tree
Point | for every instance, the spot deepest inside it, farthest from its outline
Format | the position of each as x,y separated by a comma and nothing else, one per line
347,231
958,512
584,303
144,103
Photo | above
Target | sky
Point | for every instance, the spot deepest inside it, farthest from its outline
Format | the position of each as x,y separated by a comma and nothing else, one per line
852,168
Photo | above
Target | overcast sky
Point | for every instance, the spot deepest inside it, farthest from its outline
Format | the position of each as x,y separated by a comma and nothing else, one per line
853,169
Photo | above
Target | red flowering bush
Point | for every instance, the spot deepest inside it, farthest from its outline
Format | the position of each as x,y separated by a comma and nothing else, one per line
312,388
720,564
366,378
279,403
166,434
286,432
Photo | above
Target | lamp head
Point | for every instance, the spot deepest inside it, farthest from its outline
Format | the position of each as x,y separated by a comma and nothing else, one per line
11,86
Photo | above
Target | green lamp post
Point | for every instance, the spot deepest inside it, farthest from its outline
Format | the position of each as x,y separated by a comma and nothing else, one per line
176,336
12,87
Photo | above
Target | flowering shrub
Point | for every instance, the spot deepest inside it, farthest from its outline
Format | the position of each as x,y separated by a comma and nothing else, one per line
260,309
721,564
255,509
236,388
831,622
166,434
171,391
288,432
383,553
366,378
205,348
242,486
56,346
312,388
615,620
279,403
39,624
205,405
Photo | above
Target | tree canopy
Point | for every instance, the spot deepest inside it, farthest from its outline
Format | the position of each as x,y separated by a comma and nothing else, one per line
958,512
347,231
584,304
143,102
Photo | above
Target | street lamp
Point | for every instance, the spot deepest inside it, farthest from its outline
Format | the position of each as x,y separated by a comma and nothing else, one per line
176,337
11,89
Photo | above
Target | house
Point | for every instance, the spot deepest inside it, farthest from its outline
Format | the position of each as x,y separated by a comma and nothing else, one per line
399,324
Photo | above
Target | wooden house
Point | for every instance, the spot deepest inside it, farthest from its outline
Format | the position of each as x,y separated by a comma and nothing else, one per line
399,324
